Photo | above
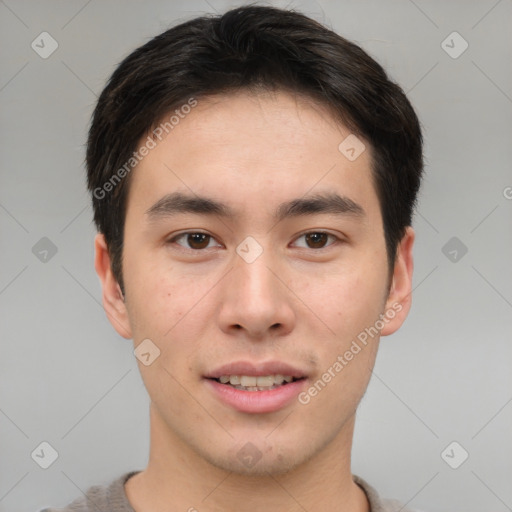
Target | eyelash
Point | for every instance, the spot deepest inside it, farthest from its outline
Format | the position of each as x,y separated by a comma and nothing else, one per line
185,234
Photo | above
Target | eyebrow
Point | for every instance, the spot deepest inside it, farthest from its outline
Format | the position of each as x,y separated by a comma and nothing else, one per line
324,203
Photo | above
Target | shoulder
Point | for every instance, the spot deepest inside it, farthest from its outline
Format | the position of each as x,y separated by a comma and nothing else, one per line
378,504
100,498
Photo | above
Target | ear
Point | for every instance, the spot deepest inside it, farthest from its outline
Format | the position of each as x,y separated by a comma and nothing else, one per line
113,300
399,298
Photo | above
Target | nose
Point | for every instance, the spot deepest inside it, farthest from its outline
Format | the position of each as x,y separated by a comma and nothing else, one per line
256,299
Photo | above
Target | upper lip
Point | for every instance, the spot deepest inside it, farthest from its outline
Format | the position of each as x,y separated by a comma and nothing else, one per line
257,369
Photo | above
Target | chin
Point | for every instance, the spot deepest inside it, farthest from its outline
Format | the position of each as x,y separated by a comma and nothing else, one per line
252,459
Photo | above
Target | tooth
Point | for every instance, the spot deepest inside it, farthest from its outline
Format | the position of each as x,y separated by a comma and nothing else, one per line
250,388
234,379
267,380
255,382
278,379
246,381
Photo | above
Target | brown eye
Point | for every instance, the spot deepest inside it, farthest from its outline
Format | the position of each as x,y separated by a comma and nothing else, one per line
198,240
195,241
316,239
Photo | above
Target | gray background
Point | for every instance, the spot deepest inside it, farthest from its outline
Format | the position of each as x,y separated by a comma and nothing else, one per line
68,379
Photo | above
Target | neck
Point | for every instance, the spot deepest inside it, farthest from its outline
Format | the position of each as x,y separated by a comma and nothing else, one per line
178,475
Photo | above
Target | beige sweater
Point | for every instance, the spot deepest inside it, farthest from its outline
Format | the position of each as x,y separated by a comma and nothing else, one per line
112,498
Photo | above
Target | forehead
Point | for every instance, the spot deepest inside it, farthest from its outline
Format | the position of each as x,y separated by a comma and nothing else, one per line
247,148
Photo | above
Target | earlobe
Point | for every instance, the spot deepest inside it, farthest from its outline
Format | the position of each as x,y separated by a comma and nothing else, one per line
113,299
399,298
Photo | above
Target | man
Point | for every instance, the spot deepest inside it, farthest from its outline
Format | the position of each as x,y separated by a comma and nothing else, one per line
253,178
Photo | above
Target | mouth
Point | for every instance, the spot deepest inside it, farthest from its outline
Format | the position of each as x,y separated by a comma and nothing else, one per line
256,387
256,383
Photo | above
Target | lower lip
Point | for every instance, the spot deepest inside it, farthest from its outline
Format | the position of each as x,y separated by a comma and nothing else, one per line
257,401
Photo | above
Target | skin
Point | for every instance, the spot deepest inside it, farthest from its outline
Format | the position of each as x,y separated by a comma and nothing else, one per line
205,309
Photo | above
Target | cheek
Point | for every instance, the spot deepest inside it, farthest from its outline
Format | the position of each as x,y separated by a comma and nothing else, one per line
164,306
156,298
347,301
350,306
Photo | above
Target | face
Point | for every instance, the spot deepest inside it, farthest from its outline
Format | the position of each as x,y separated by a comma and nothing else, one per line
243,273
